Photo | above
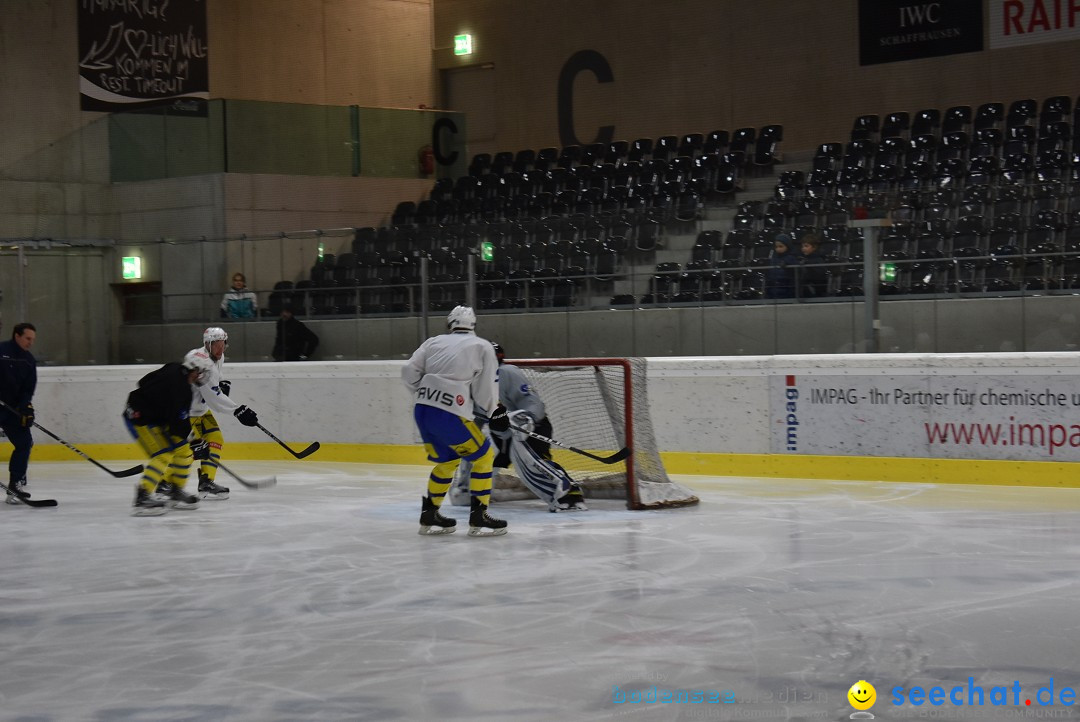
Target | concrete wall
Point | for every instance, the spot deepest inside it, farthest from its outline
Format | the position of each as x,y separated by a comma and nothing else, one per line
695,65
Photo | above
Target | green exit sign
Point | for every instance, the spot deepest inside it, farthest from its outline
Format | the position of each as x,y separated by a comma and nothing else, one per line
463,45
131,267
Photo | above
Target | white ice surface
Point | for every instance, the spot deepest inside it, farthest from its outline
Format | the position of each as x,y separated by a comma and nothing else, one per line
317,600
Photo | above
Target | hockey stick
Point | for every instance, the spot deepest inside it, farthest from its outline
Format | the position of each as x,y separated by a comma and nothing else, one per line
311,448
23,497
118,474
618,456
257,484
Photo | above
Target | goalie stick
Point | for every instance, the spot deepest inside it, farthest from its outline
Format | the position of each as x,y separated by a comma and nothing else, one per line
311,448
24,498
618,456
256,484
118,474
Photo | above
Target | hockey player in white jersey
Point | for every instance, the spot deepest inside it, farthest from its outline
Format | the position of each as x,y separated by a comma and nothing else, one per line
452,378
212,396
523,408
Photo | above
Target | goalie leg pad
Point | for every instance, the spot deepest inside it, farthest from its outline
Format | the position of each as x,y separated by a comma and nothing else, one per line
459,487
546,479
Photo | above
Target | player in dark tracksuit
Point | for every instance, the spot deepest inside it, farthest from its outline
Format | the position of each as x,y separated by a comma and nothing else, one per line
18,381
157,416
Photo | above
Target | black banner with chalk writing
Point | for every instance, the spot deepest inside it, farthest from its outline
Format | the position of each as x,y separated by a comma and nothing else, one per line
134,54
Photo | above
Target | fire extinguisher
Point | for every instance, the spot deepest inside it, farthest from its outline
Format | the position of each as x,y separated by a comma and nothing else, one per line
427,160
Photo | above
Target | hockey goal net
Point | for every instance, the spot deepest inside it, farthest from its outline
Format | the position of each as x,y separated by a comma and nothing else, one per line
600,405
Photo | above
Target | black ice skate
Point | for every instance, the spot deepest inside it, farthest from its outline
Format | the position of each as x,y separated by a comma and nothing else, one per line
210,490
480,524
147,504
432,522
573,500
19,488
176,497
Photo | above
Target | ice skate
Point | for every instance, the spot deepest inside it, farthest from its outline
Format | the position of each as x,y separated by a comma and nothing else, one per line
210,490
480,524
177,497
432,522
147,504
573,500
19,488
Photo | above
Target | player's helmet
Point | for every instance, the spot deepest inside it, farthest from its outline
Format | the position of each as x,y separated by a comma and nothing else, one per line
214,334
461,317
197,360
499,353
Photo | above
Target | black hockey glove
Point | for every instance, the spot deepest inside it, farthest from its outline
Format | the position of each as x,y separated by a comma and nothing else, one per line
26,415
246,416
225,386
499,421
200,449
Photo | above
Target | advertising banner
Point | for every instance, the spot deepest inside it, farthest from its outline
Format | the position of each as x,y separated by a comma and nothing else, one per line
1027,22
894,30
1015,417
141,54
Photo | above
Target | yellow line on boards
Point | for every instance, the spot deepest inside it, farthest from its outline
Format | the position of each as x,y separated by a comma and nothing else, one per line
937,471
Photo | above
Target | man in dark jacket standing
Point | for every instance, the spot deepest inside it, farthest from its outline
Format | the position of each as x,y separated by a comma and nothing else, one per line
18,381
294,340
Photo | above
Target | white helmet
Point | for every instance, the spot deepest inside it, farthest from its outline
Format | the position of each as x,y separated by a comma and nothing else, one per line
461,317
198,360
214,334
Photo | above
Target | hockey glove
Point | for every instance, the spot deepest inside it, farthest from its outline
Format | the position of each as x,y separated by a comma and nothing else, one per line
521,419
200,449
499,421
26,415
246,416
225,386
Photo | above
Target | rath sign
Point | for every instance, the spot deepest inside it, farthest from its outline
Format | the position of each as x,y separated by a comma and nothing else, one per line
1027,22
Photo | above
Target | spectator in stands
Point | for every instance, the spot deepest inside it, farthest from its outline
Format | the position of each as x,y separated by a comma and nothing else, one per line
813,276
294,341
780,278
239,302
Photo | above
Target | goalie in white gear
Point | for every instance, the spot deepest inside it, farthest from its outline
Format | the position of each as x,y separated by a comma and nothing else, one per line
522,407
213,395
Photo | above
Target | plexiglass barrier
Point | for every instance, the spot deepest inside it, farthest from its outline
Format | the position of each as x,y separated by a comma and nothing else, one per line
244,136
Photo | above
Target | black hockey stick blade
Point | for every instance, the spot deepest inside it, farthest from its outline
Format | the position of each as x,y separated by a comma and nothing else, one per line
118,474
25,499
311,448
618,456
253,484
615,458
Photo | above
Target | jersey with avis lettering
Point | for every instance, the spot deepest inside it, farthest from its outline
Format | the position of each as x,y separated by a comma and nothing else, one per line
516,394
208,396
454,372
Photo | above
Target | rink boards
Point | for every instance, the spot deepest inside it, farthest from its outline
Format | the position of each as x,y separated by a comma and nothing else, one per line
955,418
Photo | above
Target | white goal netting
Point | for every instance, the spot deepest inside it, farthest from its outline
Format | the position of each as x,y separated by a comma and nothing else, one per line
600,406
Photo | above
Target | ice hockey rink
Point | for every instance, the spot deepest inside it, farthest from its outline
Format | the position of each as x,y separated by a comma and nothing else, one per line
318,600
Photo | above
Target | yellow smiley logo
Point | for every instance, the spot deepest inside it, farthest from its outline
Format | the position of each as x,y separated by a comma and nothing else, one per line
862,695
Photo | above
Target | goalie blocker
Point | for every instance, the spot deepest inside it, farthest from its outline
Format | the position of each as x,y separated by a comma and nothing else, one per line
600,405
